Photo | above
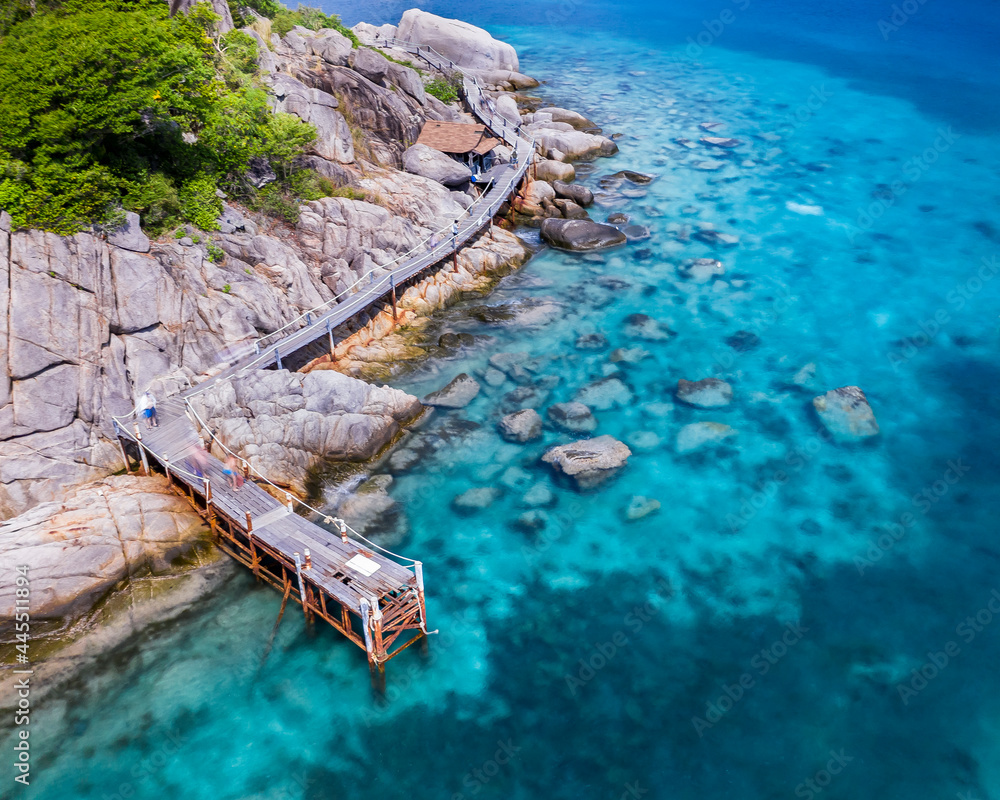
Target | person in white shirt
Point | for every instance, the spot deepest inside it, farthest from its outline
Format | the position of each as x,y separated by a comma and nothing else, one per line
148,407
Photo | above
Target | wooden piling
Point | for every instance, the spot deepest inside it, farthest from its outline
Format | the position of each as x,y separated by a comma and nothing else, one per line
121,446
142,450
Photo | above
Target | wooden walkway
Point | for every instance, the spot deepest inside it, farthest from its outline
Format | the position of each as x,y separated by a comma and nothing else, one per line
373,597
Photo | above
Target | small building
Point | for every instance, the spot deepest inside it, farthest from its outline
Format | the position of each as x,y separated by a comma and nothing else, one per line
471,144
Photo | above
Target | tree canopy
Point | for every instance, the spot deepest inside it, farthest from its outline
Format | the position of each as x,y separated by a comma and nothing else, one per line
116,104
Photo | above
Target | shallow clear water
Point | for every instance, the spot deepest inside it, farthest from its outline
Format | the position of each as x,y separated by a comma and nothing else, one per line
753,634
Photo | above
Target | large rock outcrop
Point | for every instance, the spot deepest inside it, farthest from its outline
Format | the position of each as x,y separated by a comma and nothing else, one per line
333,136
430,163
79,548
581,234
465,44
85,327
284,422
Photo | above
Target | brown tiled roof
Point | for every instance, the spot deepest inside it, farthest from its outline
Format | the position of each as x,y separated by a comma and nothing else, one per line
457,138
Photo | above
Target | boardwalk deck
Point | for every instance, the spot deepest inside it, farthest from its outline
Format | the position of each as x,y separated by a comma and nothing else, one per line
365,593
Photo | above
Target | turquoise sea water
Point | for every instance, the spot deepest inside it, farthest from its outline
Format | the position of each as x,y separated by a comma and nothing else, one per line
758,635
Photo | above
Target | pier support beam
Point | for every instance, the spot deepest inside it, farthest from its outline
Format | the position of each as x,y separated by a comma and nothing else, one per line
142,451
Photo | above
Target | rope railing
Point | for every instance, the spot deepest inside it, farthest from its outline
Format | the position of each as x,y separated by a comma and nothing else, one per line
290,498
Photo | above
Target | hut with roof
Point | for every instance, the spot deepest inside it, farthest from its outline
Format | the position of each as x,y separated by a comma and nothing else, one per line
472,145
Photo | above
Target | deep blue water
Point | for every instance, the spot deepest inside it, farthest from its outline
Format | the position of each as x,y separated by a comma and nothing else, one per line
758,635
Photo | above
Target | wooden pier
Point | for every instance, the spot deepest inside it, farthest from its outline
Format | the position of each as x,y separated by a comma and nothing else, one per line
372,599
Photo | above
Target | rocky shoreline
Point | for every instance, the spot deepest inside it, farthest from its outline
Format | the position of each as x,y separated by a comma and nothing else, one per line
88,322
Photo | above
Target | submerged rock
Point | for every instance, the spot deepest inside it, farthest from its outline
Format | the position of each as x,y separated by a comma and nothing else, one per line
494,377
525,397
539,495
579,234
532,521
845,412
452,340
458,394
591,341
642,326
743,341
639,507
637,233
699,435
702,270
628,355
718,141
572,417
513,365
373,513
643,440
521,426
634,177
717,239
605,394
589,462
476,499
707,393
806,377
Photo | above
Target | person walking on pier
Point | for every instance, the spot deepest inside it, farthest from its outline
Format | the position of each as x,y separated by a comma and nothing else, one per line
148,407
454,234
198,459
232,473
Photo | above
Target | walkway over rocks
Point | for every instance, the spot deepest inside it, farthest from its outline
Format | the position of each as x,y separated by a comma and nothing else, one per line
371,595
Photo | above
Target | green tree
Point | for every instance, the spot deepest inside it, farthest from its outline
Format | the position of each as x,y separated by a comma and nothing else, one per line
105,104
